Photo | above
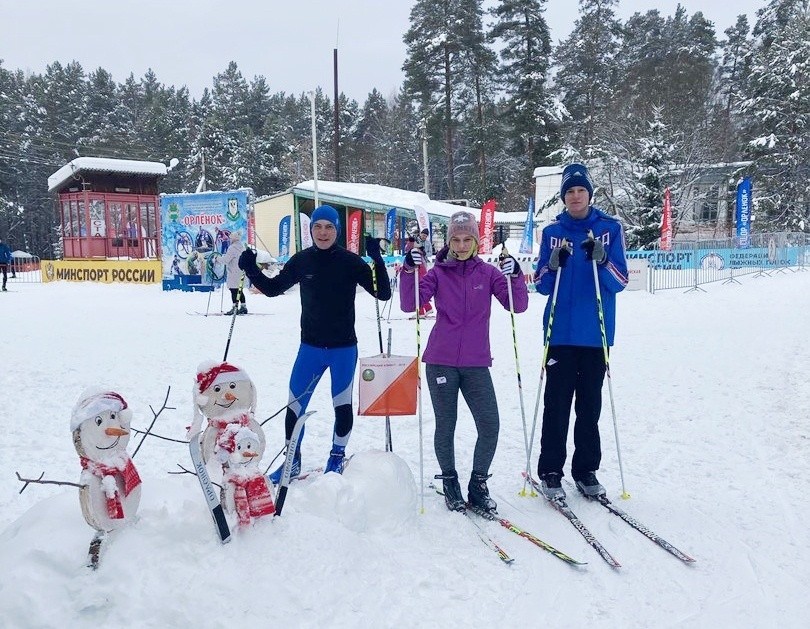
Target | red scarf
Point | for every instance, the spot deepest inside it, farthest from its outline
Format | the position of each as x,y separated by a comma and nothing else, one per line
251,497
129,476
222,424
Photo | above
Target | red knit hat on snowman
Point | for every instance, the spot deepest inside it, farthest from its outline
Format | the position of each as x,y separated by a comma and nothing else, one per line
94,401
210,373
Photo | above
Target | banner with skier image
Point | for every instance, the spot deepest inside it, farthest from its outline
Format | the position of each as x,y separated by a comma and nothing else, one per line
196,231
387,385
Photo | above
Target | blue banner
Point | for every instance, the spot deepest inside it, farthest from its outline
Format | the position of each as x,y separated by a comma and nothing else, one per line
527,244
743,215
284,238
390,225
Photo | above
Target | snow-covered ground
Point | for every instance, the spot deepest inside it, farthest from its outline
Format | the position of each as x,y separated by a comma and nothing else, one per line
711,395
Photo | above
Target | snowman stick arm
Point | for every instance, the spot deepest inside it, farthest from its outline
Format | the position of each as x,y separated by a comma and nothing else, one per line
40,481
157,436
154,419
187,471
310,387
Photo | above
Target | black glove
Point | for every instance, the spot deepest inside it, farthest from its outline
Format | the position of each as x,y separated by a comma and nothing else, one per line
247,262
374,248
415,257
560,255
594,250
509,266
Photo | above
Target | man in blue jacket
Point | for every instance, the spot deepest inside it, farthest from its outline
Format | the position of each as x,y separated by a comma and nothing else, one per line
5,261
575,365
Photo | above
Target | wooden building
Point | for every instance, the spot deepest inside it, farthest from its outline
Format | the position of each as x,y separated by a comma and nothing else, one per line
109,208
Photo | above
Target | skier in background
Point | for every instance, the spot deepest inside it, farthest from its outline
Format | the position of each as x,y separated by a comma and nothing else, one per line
234,274
328,276
575,365
5,261
458,356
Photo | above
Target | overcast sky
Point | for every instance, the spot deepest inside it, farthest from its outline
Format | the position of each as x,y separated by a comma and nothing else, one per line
289,42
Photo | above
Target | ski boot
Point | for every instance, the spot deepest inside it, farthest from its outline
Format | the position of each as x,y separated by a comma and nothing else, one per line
275,476
231,311
242,310
337,458
478,494
588,485
551,485
452,491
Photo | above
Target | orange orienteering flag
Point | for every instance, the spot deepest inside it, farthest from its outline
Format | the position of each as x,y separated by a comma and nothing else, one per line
388,385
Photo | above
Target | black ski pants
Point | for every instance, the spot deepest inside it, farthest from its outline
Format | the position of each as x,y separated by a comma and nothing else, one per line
572,373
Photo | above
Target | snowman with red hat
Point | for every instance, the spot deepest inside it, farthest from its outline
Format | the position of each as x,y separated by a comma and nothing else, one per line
246,490
224,395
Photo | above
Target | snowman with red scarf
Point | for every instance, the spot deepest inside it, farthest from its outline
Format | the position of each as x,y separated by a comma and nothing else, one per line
224,395
246,490
111,488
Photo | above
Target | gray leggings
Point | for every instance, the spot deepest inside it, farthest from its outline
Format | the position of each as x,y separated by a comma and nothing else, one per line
475,385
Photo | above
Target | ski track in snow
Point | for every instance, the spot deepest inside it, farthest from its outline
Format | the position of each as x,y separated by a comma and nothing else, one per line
711,396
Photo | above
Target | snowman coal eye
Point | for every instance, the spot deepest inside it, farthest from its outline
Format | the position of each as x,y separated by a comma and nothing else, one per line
98,420
232,385
217,389
112,415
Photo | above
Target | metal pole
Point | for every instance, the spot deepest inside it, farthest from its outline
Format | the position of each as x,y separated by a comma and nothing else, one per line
425,156
314,149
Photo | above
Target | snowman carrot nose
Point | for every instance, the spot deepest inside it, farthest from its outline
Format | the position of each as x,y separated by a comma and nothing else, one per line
250,454
115,432
229,396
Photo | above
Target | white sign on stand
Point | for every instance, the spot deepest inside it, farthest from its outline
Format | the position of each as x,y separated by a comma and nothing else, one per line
638,273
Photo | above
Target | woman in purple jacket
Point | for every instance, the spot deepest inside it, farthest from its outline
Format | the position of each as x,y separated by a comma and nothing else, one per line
457,356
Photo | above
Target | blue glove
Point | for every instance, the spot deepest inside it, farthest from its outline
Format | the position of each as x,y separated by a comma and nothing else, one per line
594,250
247,262
560,255
374,248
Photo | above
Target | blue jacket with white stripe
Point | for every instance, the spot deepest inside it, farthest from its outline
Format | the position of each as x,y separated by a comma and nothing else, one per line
576,314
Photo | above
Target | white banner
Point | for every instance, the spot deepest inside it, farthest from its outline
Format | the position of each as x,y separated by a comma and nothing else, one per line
306,236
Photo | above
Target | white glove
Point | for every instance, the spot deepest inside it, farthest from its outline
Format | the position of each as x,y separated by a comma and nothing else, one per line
508,266
416,257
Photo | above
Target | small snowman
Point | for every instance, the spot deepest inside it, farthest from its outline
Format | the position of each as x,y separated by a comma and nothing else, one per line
111,487
246,490
225,395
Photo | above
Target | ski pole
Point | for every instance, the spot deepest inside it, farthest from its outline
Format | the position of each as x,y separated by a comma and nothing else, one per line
606,353
542,371
504,255
388,447
419,388
233,316
208,306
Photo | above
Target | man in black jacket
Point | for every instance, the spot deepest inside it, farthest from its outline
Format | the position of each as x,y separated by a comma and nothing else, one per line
328,276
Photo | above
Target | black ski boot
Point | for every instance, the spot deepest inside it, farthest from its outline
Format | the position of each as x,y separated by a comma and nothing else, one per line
452,491
478,494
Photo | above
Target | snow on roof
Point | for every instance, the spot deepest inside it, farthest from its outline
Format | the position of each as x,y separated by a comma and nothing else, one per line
386,198
104,164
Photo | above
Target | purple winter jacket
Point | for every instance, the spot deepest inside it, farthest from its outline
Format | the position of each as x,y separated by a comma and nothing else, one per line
463,292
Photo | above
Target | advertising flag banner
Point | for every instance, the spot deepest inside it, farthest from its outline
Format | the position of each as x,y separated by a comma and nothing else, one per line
284,237
390,224
486,227
666,223
353,232
743,214
306,236
387,385
422,217
527,244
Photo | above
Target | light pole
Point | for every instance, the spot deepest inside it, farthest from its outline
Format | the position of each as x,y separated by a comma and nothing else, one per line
423,127
314,150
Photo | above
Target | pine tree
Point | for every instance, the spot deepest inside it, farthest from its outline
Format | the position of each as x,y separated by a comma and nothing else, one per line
777,104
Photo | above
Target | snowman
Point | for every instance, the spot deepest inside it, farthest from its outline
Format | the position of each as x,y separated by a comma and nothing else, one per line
111,488
224,395
246,490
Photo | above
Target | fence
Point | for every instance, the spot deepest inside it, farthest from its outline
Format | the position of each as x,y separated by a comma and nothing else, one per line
25,270
692,263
